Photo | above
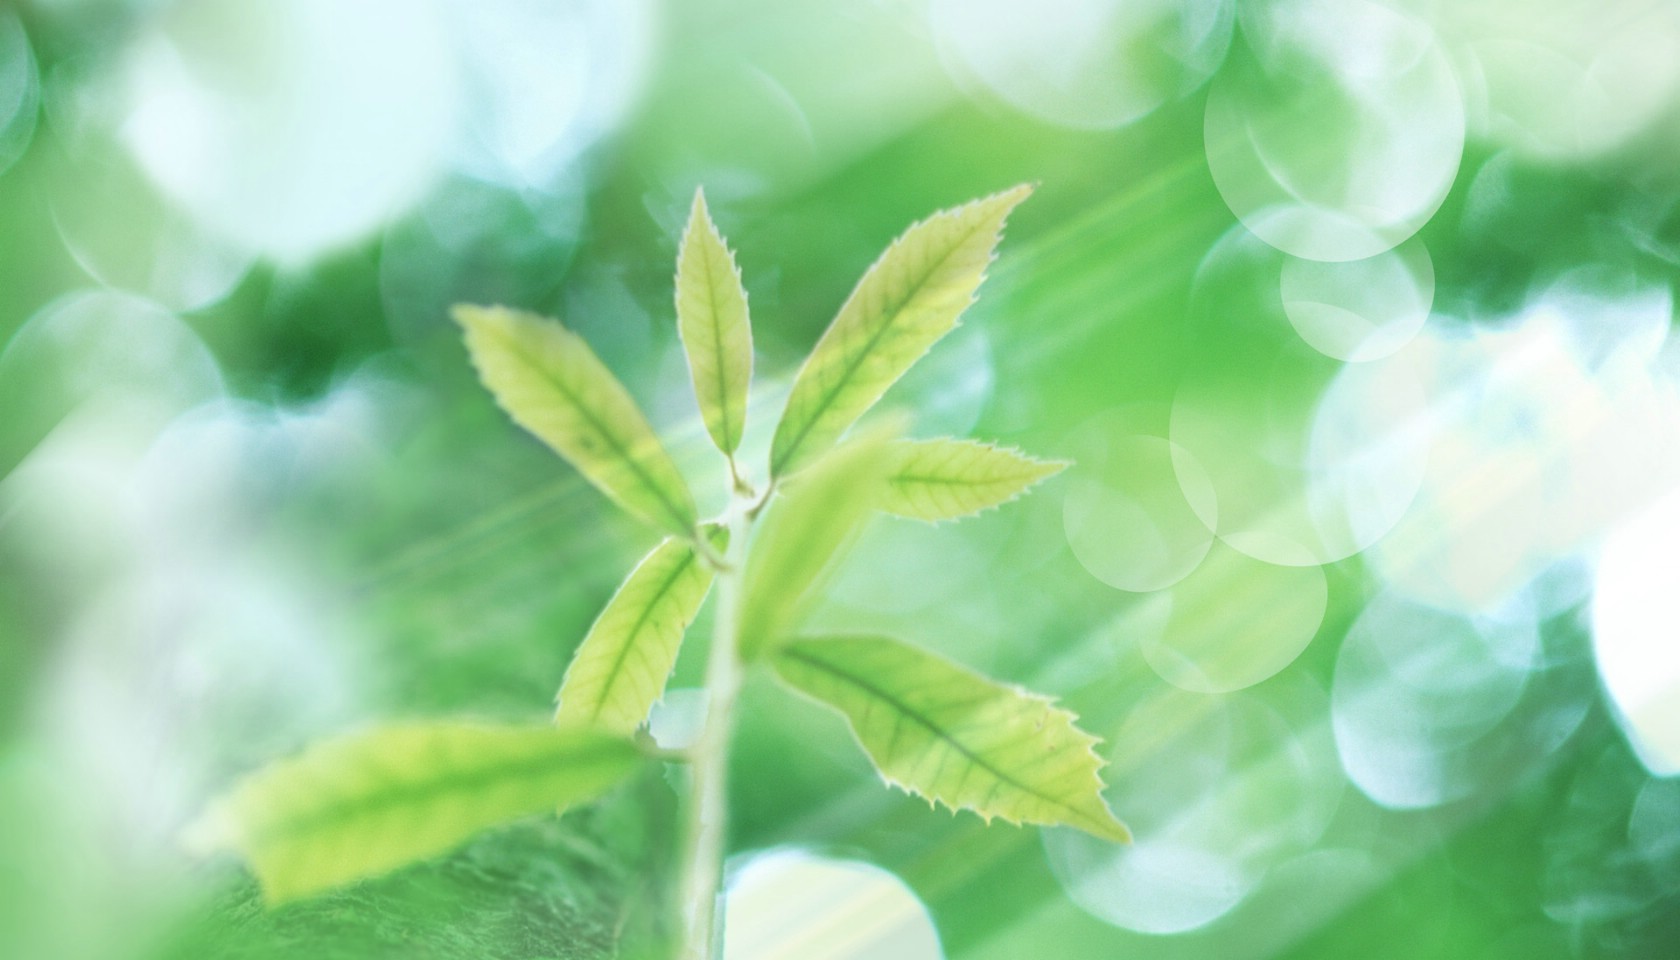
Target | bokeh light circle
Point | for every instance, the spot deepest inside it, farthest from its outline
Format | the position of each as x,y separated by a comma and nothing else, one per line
1360,310
1572,80
1217,791
291,126
543,80
1232,623
1088,64
118,351
1330,150
1309,460
20,89
1124,514
797,905
1430,707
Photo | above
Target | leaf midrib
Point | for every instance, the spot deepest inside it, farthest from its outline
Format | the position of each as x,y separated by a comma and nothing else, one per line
730,440
828,398
950,481
906,710
646,480
411,793
629,640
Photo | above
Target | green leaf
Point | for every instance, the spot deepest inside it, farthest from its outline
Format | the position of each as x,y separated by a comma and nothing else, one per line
948,734
949,479
552,384
712,321
809,528
619,671
906,301
367,803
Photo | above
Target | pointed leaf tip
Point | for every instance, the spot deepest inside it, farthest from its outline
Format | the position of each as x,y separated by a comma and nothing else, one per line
551,383
946,733
908,299
948,479
714,325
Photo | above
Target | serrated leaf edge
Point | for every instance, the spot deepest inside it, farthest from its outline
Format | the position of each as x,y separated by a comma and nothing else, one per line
710,533
991,446
700,218
1088,744
677,519
777,466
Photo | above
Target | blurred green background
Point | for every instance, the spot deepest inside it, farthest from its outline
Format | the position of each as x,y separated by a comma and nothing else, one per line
1355,316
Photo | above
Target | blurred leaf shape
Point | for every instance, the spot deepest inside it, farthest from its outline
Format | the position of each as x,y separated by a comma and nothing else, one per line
713,323
907,300
548,380
946,733
950,479
806,533
367,803
620,669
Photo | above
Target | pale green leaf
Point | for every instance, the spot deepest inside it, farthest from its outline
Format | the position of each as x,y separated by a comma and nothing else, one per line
908,299
712,321
949,479
365,804
552,384
806,533
950,735
619,671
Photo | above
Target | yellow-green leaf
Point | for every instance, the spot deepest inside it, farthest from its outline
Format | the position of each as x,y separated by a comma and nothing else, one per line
712,321
368,803
943,732
619,671
805,534
908,299
949,479
552,384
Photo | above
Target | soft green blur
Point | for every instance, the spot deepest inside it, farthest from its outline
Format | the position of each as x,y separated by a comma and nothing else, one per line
1355,316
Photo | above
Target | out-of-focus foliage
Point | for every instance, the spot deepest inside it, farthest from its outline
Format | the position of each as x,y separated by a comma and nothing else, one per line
362,805
1372,550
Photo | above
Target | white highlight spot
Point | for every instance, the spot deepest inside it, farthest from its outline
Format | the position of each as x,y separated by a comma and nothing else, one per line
793,905
1636,605
291,126
544,80
1541,434
1090,64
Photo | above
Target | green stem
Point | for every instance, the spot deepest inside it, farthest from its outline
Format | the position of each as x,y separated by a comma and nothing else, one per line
708,803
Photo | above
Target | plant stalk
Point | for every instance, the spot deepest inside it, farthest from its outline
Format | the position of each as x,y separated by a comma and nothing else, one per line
708,802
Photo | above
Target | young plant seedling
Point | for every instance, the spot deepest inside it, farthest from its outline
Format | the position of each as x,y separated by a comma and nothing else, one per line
367,803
